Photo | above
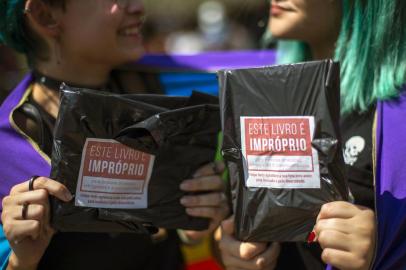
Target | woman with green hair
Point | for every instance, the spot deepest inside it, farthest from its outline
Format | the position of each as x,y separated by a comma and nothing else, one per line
368,38
80,43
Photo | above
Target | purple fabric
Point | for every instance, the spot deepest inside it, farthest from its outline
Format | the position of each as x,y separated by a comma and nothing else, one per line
210,61
18,158
391,184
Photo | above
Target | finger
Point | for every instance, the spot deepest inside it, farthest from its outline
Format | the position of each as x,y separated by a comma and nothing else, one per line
13,205
215,213
335,224
242,250
17,230
228,244
338,210
249,250
212,199
214,168
53,187
195,235
39,196
24,187
206,183
334,240
269,256
34,212
341,259
231,261
227,226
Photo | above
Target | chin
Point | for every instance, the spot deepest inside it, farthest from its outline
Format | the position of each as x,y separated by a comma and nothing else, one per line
132,54
279,34
283,31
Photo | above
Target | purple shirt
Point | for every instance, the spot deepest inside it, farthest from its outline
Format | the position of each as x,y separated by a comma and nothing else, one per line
20,158
391,184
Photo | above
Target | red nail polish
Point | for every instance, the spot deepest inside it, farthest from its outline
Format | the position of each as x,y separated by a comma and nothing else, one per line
311,237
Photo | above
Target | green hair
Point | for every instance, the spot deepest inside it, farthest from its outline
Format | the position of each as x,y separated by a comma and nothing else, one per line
12,27
371,48
14,31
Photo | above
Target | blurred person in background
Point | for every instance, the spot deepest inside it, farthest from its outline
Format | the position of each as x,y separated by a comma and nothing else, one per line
215,32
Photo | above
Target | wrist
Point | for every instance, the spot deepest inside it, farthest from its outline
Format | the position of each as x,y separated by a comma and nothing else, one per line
15,264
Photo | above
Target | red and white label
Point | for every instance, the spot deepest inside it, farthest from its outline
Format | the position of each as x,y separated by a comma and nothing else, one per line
278,153
113,175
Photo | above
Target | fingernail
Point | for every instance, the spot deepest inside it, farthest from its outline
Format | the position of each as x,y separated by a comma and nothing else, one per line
261,262
184,200
68,196
221,167
185,185
312,237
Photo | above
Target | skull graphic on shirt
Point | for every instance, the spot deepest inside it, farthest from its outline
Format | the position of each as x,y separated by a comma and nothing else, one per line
353,147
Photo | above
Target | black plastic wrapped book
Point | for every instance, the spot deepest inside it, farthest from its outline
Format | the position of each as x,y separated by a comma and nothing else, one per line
124,157
282,147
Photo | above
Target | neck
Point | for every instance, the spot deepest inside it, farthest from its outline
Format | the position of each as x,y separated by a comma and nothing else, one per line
324,48
78,74
322,51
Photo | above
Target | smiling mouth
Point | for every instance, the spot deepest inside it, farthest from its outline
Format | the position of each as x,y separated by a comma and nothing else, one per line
130,31
277,10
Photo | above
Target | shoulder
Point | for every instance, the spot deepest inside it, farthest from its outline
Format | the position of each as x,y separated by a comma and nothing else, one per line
15,97
15,145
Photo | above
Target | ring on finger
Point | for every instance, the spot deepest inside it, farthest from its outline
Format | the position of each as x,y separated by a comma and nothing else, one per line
31,182
24,210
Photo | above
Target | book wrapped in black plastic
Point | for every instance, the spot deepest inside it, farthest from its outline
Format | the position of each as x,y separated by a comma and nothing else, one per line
124,157
282,146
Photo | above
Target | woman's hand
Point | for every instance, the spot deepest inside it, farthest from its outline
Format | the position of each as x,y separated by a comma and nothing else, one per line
238,255
212,204
346,232
30,233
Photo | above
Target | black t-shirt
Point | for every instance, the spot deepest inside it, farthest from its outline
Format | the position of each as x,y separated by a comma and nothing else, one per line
100,251
356,129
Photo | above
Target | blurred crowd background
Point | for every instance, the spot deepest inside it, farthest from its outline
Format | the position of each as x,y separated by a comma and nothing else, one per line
181,27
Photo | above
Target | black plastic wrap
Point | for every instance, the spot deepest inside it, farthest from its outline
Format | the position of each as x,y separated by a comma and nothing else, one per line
180,132
308,89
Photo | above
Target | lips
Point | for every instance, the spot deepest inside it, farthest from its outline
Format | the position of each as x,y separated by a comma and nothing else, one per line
278,9
131,30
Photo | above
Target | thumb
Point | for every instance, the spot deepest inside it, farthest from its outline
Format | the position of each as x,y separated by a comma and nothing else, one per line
228,226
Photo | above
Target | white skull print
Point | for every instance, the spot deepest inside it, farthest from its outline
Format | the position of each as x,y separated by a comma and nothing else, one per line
353,147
